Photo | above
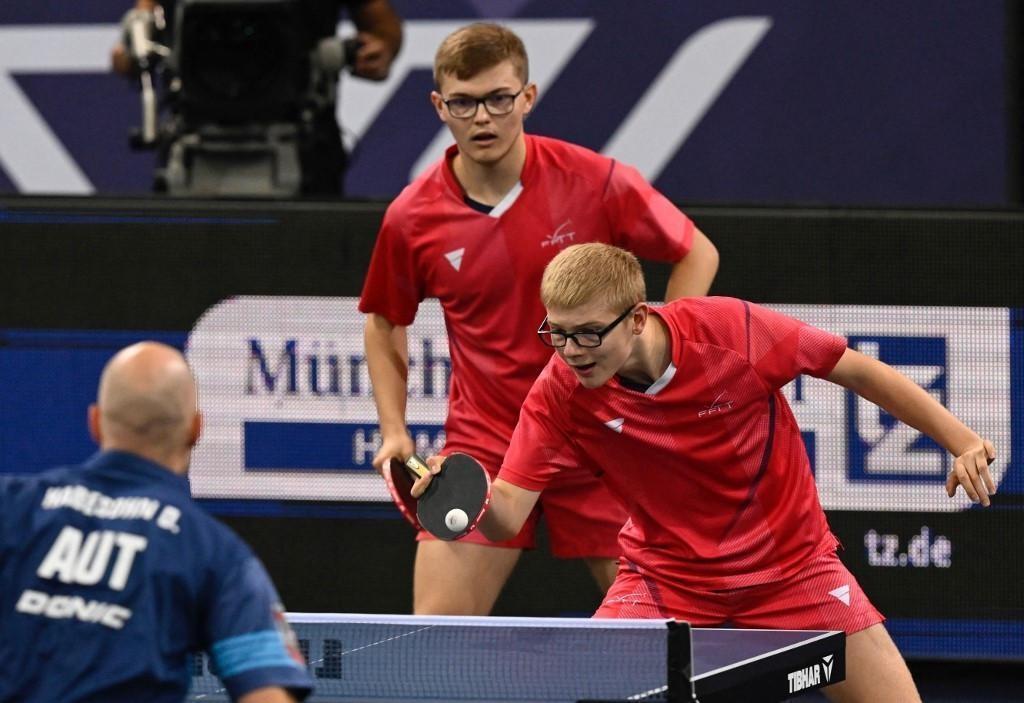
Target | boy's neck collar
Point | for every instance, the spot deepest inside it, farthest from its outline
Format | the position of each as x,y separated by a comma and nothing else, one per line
489,183
652,352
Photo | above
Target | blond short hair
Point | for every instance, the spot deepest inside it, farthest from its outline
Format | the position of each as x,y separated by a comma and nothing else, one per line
477,47
584,273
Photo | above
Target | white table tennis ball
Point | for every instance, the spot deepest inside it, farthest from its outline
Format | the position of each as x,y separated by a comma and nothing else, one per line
456,520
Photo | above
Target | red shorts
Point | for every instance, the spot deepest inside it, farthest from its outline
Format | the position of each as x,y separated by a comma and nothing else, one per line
823,595
583,518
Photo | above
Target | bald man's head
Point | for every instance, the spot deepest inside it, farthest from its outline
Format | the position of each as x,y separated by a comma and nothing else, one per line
147,404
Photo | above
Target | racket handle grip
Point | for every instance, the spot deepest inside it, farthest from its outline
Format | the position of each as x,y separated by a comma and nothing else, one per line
417,465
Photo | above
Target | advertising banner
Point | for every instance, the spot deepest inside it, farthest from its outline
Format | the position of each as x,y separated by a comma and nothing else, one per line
291,412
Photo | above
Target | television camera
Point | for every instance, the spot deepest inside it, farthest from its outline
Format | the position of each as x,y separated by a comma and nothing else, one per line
239,85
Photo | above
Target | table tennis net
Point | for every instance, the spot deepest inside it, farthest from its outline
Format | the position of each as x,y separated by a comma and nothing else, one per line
416,658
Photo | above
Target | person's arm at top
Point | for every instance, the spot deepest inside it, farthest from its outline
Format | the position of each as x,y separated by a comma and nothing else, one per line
692,275
651,226
270,694
380,37
906,401
120,59
387,360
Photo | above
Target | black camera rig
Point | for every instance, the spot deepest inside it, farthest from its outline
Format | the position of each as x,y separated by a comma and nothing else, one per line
240,85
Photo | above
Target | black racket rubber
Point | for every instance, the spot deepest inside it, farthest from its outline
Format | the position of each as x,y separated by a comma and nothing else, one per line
462,483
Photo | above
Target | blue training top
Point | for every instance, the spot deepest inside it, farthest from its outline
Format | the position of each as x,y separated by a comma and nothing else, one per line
110,577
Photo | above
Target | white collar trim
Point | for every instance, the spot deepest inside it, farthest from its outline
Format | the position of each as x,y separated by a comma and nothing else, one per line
666,377
508,201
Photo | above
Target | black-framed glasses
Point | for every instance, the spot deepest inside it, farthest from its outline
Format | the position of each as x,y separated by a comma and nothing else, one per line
586,338
496,104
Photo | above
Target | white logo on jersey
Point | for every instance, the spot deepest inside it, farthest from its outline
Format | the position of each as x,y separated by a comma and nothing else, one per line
455,257
83,559
76,557
616,424
560,236
842,593
717,406
60,607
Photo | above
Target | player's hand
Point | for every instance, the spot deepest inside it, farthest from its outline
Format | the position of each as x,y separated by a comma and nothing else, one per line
398,446
373,58
420,486
120,60
970,470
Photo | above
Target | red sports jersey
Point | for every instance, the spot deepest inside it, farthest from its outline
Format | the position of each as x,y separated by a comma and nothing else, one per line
486,268
709,460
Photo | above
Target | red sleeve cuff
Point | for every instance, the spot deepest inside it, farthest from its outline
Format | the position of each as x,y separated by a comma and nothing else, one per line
522,480
837,351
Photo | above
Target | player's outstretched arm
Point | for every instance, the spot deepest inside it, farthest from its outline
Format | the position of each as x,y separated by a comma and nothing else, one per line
387,359
509,508
906,401
692,275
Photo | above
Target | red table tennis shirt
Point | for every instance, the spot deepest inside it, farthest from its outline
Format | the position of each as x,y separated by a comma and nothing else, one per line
709,461
486,269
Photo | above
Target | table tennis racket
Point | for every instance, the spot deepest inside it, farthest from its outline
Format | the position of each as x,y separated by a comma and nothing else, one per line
453,503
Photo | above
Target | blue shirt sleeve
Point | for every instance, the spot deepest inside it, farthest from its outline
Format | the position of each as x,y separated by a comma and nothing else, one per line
251,643
4,512
9,490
